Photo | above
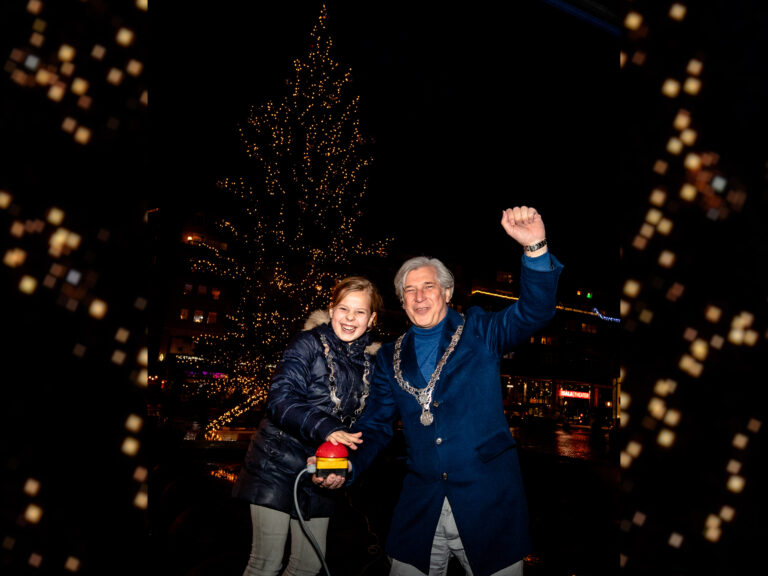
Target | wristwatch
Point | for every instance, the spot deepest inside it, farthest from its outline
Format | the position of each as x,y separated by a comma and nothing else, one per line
534,247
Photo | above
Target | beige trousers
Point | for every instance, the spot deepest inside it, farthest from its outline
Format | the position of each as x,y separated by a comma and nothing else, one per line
270,533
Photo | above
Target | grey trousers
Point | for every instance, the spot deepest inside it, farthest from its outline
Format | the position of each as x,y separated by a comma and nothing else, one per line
270,532
446,544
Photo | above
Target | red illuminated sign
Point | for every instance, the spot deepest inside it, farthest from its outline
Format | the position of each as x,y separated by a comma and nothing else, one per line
574,394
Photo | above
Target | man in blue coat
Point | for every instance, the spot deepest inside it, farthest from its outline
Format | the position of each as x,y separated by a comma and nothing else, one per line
463,493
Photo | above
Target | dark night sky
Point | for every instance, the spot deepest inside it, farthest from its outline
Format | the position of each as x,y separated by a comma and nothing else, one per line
472,110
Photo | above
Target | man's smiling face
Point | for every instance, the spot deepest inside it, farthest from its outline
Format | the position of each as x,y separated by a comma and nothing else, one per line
425,302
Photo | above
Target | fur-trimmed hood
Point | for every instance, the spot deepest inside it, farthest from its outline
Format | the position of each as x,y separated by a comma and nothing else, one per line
323,317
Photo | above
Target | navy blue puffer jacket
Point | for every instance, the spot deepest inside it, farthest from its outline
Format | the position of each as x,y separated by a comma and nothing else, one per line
301,414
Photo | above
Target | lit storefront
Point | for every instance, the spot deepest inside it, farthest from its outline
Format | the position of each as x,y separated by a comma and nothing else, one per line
574,403
527,397
566,402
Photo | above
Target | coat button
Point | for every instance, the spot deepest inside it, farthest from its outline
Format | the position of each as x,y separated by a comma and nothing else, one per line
439,441
445,475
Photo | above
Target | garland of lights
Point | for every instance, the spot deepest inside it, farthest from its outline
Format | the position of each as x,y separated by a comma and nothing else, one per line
296,232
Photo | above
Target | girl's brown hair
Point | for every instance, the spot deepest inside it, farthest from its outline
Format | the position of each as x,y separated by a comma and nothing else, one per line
357,284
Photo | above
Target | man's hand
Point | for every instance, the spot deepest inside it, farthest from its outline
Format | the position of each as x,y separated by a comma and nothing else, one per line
524,224
348,439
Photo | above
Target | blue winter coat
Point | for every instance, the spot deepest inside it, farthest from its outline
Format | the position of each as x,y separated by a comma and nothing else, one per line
468,453
299,417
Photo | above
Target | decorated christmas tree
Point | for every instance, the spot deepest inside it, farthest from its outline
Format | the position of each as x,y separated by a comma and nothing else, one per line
295,230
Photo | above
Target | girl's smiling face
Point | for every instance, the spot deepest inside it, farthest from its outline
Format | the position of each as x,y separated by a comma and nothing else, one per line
352,316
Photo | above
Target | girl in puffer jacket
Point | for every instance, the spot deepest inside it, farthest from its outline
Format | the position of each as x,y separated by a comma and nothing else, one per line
318,390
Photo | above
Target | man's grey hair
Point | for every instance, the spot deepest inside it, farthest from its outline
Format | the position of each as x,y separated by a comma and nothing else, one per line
444,276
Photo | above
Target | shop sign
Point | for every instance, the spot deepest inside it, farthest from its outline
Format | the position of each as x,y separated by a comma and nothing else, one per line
574,394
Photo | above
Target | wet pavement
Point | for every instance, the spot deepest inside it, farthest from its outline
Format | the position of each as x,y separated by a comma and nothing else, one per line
571,479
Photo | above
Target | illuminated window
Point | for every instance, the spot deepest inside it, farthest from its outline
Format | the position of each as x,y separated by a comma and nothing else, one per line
202,289
211,317
505,277
590,328
198,317
183,314
215,293
187,289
